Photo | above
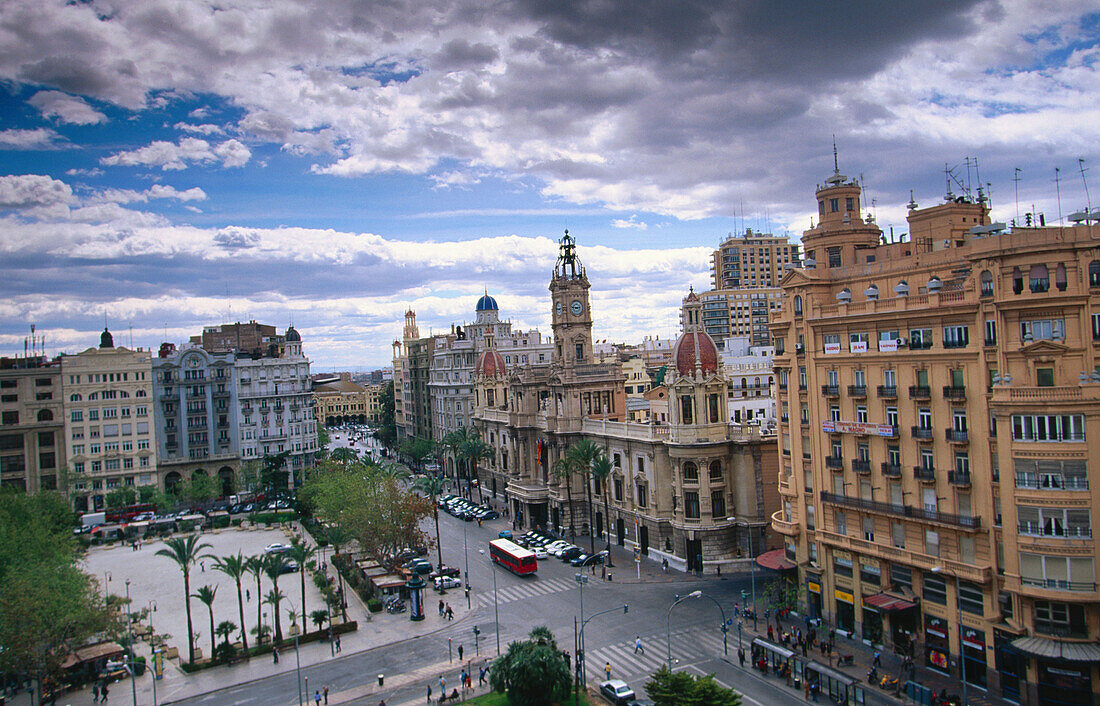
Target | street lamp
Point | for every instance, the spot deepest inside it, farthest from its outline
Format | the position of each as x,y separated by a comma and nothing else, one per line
496,611
130,638
668,622
581,578
106,584
753,557
626,608
962,656
725,628
297,658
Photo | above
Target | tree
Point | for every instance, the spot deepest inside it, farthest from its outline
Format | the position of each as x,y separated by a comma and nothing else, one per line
255,566
153,495
200,489
274,566
344,455
780,594
432,486
452,443
224,630
323,440
273,598
319,617
48,607
565,468
120,497
387,429
301,554
601,469
206,594
668,688
583,453
533,671
274,476
235,567
474,449
418,449
185,551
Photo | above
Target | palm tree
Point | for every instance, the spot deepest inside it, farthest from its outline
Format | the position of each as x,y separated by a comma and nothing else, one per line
292,616
451,442
564,467
274,566
273,598
206,596
344,456
601,470
319,617
185,551
432,486
473,450
338,537
225,629
301,553
255,566
235,567
584,452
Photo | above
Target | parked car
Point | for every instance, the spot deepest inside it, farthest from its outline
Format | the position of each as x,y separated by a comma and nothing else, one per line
540,553
505,534
570,553
589,559
616,691
276,548
448,582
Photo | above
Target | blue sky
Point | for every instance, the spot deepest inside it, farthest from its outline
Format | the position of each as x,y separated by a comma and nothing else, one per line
173,164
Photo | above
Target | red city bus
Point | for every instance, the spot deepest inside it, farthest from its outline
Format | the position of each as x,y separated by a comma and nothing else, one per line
513,557
125,514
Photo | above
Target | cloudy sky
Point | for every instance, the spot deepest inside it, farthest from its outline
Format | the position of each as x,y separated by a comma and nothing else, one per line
169,164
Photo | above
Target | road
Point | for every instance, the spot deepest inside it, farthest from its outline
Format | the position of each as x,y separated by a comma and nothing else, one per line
552,597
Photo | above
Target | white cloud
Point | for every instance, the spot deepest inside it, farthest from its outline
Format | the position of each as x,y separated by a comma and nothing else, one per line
175,156
93,172
203,129
30,191
66,108
156,191
631,222
42,138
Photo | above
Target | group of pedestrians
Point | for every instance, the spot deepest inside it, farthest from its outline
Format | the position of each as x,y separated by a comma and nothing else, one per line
445,611
99,692
465,680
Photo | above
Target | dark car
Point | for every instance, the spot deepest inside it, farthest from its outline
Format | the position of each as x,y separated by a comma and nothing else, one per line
571,553
490,515
588,559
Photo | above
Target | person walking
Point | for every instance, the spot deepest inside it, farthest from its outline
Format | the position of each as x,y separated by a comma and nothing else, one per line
442,611
442,687
429,693
95,692
878,659
607,670
317,697
450,613
325,692
460,653
638,645
741,656
275,654
103,692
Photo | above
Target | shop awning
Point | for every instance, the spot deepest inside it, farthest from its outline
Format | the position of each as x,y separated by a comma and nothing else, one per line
888,603
90,653
1049,648
776,560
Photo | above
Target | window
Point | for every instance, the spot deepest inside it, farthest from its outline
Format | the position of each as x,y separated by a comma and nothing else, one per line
1043,330
927,460
1094,273
842,566
931,542
924,418
990,332
987,283
902,576
861,414
832,342
798,305
956,336
1044,377
691,505
898,531
1060,619
870,573
641,495
9,417
962,463
869,529
715,471
920,338
691,472
1096,327
834,412
717,504
1017,280
841,523
1040,278
935,589
1048,427
617,484
802,377
892,416
834,255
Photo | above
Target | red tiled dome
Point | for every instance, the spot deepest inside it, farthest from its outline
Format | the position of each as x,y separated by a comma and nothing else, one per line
490,364
696,347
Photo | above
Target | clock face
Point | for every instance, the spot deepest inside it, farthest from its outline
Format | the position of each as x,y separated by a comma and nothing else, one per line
576,308
559,308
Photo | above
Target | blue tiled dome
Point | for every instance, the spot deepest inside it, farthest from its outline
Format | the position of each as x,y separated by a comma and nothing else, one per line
487,303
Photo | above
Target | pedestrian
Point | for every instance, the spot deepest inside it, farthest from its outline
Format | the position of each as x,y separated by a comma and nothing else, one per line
275,654
481,675
741,656
664,565
450,613
317,697
803,648
103,692
203,565
771,633
338,648
247,595
607,670
429,693
441,610
443,687
325,692
95,692
638,645
878,659
460,653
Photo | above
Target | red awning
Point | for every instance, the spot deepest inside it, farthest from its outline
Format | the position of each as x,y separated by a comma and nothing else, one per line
775,560
886,602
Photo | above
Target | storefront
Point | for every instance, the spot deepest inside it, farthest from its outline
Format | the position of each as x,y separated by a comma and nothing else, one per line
972,651
900,612
937,645
1064,684
1063,669
813,598
1011,666
845,610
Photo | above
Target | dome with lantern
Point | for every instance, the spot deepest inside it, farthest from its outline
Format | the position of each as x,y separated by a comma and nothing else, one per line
695,352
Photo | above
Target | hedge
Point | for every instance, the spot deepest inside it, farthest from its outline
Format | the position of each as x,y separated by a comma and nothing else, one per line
273,517
314,636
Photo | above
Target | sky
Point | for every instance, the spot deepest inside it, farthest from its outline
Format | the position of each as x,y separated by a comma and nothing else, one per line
167,164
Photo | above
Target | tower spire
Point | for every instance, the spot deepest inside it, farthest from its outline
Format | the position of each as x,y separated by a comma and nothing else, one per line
836,162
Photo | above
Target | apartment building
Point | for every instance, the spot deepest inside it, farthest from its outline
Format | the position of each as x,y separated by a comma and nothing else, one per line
107,395
938,396
32,425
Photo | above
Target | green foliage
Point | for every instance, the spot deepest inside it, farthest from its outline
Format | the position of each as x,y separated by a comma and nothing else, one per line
668,688
418,449
532,671
273,517
154,495
120,497
319,617
374,605
235,567
301,554
48,607
185,551
387,430
780,593
274,475
323,440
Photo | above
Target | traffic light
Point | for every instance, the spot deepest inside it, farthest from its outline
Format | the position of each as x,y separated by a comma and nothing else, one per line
476,631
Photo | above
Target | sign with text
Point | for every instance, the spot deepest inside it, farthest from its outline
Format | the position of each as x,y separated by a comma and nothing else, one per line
832,348
858,346
888,346
857,428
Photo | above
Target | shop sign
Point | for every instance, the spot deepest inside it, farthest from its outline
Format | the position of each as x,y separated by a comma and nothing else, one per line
842,596
973,638
839,427
814,587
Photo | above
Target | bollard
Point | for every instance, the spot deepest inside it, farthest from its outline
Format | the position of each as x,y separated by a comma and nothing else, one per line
381,678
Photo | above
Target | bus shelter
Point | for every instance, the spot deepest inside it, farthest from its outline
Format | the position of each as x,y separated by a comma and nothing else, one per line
841,689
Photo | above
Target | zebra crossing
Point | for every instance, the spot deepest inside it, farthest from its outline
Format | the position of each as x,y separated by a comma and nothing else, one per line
528,589
687,647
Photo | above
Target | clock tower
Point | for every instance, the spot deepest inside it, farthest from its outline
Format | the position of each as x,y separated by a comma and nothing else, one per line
571,316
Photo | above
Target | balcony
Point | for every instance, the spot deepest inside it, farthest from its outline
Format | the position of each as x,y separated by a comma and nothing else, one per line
950,392
835,463
924,475
960,479
888,392
902,511
891,470
1058,584
857,391
830,390
970,572
958,436
1030,529
923,433
861,466
782,526
920,392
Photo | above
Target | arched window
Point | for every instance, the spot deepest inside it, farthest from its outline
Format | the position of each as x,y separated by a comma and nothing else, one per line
75,397
93,396
1017,280
691,472
715,471
987,283
798,305
139,393
1060,277
45,415
901,288
1094,273
1040,278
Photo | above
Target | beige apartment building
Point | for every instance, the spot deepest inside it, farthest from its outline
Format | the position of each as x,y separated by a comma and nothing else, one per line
111,439
939,396
32,424
342,401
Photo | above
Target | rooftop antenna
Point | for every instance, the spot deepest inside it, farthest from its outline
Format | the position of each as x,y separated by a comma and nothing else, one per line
947,181
1088,199
836,162
1016,179
1058,189
131,335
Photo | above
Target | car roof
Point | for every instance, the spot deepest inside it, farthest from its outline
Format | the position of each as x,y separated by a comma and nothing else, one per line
615,683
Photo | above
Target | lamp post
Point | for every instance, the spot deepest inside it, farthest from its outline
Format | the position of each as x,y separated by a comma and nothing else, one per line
297,659
152,605
106,585
668,622
130,639
962,647
581,578
752,555
496,611
626,608
466,557
725,647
